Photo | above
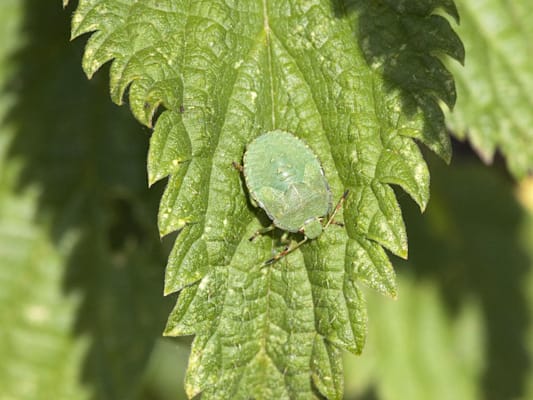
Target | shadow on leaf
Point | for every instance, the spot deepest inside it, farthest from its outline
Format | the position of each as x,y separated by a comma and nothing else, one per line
403,41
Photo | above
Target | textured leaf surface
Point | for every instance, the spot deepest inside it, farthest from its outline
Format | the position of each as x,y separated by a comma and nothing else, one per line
80,263
495,87
224,72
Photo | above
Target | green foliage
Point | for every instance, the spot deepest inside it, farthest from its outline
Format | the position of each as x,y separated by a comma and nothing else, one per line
466,304
30,274
494,101
225,72
81,267
80,262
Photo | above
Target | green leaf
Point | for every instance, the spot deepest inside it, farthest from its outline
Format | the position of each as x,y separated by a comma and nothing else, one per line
494,88
358,82
400,39
40,357
327,369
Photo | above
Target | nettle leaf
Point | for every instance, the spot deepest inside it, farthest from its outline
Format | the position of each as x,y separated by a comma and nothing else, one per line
494,106
357,82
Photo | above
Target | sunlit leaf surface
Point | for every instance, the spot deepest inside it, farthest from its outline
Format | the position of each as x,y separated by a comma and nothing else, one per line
357,81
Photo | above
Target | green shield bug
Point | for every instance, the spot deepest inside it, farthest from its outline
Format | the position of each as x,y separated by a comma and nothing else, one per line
285,179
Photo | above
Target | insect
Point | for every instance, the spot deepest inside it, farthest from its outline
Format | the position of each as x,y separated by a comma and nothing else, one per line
285,179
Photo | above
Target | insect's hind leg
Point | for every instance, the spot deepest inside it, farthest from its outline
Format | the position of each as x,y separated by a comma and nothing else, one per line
285,251
262,232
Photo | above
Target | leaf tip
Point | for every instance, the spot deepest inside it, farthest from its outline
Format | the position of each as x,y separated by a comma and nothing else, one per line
152,178
452,11
169,332
423,204
447,157
462,56
392,291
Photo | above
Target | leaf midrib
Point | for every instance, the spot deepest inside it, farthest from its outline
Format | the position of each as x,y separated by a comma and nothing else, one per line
268,278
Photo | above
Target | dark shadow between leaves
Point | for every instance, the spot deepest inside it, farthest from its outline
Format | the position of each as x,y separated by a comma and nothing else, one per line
469,244
88,157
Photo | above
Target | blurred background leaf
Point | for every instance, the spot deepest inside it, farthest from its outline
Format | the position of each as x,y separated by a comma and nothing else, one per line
461,328
494,89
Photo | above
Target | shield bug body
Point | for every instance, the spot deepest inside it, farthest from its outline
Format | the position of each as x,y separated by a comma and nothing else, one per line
285,179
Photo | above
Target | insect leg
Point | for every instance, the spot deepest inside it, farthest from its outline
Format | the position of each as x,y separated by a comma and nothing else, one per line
262,232
237,166
337,223
337,208
285,238
284,252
